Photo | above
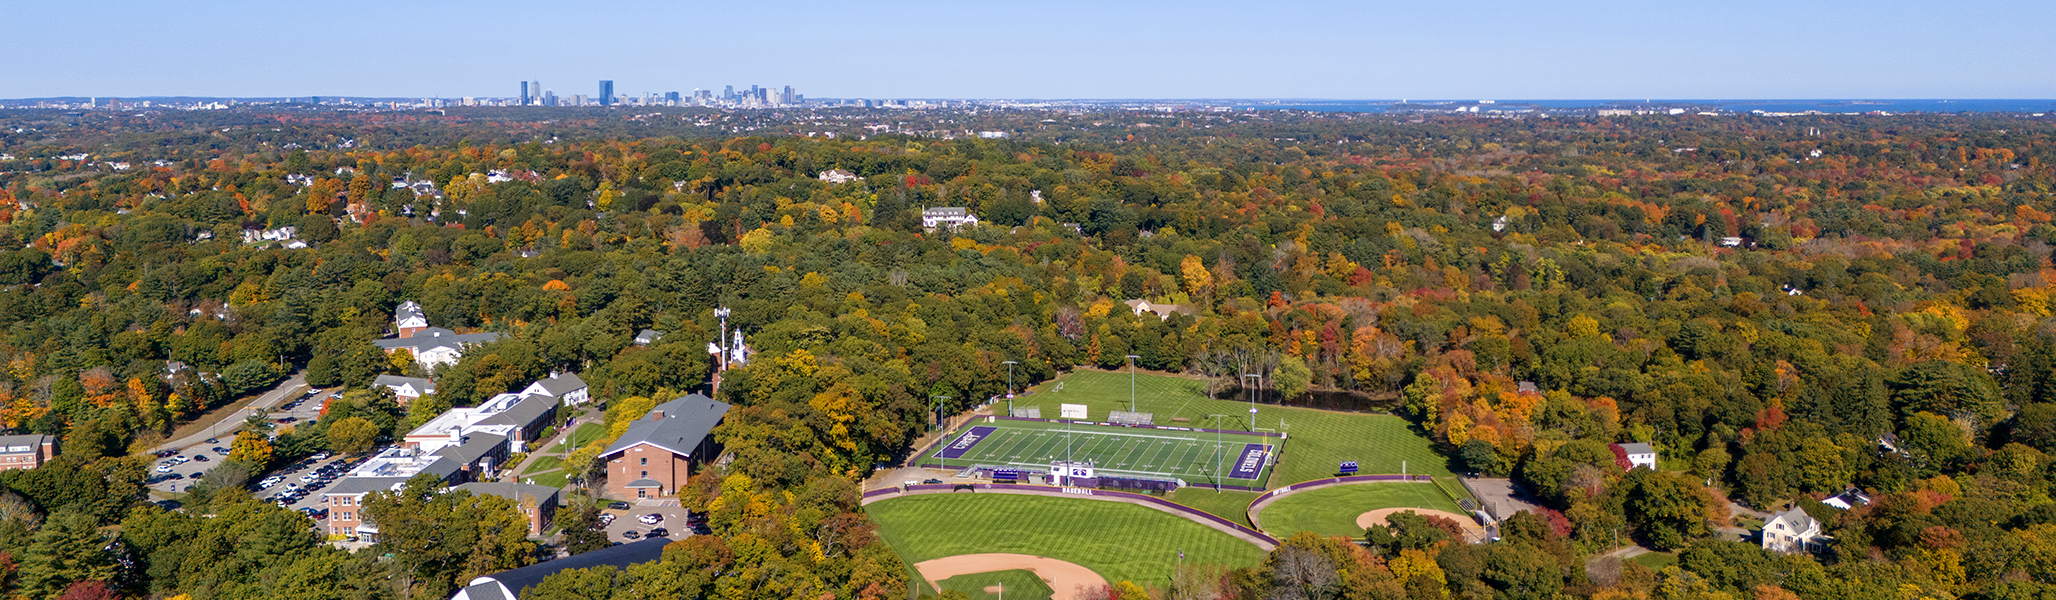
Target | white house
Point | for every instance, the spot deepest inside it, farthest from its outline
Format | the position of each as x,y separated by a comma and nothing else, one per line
947,216
1792,531
561,385
435,346
1635,455
1162,311
408,319
405,389
839,176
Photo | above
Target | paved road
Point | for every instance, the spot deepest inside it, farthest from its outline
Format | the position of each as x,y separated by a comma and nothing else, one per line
290,388
627,520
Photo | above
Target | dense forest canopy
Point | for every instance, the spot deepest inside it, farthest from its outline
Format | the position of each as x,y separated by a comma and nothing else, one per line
1763,299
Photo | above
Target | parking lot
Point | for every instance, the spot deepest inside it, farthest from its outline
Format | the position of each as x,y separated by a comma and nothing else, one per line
305,481
630,520
178,472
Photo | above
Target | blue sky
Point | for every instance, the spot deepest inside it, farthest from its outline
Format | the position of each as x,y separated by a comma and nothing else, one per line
1574,49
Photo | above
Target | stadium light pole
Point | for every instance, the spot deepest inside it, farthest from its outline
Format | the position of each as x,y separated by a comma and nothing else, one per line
1010,387
1217,451
1252,396
1131,384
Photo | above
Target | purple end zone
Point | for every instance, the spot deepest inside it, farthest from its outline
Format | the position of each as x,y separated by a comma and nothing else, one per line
963,444
1252,462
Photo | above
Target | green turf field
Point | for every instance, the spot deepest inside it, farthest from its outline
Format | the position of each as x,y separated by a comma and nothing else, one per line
1121,542
1320,439
1189,455
1014,583
1333,510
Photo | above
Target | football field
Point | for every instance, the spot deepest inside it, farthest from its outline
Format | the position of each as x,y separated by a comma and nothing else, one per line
1239,459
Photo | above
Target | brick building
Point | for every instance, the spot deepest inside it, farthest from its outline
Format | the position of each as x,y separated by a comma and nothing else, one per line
659,451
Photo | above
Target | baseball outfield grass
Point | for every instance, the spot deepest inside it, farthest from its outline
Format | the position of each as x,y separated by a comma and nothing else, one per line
1333,510
1120,542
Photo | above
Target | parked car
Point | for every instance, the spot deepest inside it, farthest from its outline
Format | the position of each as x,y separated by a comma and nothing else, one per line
321,456
219,450
701,529
659,532
164,468
695,518
651,519
617,505
213,440
200,458
931,481
632,534
606,520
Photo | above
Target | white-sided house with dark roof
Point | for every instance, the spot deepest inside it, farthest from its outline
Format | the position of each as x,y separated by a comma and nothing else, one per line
405,389
657,452
1633,455
950,217
647,337
566,386
1792,531
1162,311
508,585
408,319
435,346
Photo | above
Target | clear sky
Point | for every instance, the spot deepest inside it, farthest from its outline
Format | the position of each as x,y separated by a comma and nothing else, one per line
1370,49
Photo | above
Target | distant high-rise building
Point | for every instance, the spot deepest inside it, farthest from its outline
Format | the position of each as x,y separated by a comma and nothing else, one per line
671,96
524,93
788,97
606,92
727,93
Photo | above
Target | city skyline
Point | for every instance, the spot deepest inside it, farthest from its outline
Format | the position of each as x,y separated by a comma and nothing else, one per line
1577,49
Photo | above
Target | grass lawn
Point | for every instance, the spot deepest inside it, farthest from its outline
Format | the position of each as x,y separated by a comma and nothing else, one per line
1018,584
1319,439
1655,561
545,463
555,479
1121,542
1333,510
584,434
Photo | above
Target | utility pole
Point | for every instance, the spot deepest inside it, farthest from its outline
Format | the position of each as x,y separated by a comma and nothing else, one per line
1131,382
1010,388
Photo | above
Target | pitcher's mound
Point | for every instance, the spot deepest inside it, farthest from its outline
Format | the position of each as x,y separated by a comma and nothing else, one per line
1066,580
1377,517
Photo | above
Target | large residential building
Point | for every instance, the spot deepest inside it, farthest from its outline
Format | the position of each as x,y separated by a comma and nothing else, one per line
657,452
514,418
508,585
1162,311
387,471
950,217
562,385
405,389
537,502
434,346
26,451
1792,531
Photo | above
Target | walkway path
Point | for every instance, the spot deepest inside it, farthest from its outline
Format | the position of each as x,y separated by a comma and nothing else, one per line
588,416
1258,538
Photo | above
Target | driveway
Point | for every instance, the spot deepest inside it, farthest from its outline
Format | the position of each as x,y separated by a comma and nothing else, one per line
290,388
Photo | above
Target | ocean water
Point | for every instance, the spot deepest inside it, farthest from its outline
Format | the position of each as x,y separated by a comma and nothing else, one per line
1826,106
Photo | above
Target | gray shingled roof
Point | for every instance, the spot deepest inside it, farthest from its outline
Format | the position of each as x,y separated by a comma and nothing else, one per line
474,446
519,580
524,413
1637,448
559,385
9,441
648,336
407,309
511,491
425,385
435,337
683,423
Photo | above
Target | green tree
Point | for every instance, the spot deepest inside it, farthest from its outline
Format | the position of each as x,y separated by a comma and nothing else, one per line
1666,511
1293,378
352,435
69,548
443,538
582,531
250,447
1951,389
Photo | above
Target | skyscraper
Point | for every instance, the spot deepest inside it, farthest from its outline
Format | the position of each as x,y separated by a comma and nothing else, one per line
606,92
525,93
